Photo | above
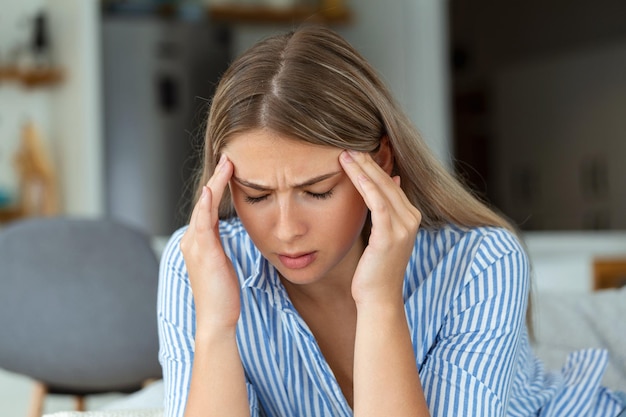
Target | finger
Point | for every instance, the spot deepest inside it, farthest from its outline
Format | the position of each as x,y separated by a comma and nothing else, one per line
218,183
194,212
205,213
385,215
361,168
364,162
203,221
382,193
390,186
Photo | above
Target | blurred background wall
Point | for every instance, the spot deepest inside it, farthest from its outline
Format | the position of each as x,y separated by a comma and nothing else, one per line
69,115
116,108
539,98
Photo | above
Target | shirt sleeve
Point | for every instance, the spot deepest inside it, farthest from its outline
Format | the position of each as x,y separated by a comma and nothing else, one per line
177,328
469,370
176,325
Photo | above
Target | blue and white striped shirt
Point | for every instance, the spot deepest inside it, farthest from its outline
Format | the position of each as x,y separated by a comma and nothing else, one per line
465,295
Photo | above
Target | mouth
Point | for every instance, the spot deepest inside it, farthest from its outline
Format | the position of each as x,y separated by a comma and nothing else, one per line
297,261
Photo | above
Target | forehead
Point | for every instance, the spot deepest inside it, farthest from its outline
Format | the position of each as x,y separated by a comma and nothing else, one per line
264,145
267,159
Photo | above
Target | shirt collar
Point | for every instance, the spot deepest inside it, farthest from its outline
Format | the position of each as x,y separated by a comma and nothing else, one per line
265,278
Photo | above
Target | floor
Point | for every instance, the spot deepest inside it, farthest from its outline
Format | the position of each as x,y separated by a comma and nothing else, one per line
15,392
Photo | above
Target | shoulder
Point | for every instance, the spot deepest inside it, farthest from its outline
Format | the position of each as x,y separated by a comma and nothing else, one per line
451,257
171,256
481,244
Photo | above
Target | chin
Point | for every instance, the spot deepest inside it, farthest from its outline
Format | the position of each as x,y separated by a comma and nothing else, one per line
298,277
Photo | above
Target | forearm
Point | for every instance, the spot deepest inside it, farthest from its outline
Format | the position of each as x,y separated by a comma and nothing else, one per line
218,386
386,381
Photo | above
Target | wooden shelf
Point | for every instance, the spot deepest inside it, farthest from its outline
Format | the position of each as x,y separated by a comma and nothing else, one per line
8,214
32,78
271,15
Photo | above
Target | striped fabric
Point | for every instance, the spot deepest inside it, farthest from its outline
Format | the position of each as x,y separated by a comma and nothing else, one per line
465,296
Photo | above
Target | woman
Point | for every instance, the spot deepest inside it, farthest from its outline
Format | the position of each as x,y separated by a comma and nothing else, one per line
332,267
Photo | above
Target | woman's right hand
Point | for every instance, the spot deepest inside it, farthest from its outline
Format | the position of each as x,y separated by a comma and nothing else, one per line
213,281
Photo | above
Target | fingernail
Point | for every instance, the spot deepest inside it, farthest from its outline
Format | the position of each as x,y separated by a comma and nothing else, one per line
346,156
222,160
204,193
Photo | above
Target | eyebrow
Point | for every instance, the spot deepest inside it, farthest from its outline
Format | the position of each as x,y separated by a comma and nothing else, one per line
306,183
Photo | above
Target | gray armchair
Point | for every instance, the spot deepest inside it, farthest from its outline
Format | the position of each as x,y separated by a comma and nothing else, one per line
78,306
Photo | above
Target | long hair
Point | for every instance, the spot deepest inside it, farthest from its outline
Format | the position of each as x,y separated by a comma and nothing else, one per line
312,85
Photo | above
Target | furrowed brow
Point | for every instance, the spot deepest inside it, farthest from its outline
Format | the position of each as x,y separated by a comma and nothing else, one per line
306,183
251,184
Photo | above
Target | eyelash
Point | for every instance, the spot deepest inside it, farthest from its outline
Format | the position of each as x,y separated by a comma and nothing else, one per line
317,196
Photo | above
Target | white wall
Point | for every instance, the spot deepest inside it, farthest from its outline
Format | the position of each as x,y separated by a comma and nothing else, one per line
406,40
76,105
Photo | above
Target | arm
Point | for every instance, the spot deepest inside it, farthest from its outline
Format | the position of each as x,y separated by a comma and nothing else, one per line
386,380
176,320
218,385
175,324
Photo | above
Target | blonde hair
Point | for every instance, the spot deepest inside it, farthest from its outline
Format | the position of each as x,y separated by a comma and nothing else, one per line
312,85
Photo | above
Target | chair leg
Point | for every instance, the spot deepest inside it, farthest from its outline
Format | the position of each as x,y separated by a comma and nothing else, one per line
38,398
80,403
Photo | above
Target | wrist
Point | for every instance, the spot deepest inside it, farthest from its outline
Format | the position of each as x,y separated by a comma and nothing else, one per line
212,332
380,298
379,307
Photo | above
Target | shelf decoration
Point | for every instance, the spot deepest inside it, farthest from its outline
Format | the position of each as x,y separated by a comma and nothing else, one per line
38,188
32,78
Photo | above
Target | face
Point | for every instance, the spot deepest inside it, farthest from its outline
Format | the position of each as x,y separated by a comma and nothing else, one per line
298,205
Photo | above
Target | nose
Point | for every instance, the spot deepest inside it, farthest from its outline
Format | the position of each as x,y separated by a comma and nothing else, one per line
290,222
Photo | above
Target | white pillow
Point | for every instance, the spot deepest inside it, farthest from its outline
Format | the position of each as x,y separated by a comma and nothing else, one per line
567,322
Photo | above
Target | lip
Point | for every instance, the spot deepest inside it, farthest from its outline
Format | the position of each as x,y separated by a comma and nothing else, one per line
297,261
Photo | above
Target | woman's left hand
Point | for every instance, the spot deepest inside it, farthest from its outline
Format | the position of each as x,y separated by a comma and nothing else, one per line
395,221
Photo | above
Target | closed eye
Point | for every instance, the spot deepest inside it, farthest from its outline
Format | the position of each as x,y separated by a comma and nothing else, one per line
321,196
254,200
317,196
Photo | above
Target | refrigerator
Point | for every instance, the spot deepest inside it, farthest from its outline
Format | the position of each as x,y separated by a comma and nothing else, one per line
158,77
